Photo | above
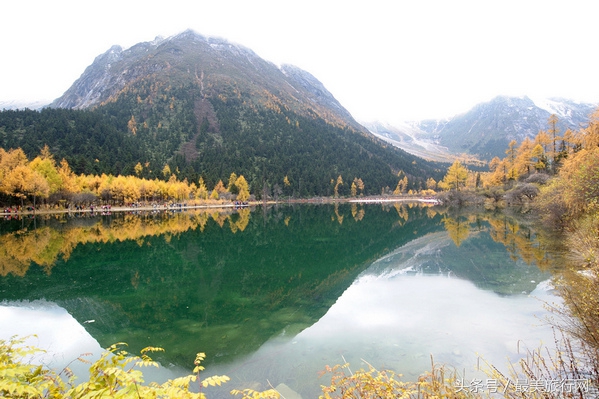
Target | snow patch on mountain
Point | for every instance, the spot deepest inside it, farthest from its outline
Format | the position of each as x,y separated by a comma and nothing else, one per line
559,108
410,139
18,104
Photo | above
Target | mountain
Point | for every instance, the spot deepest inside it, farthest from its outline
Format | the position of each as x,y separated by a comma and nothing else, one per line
215,65
410,139
484,131
207,107
12,105
487,128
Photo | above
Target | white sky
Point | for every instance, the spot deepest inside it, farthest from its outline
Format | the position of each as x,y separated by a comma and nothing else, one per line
389,60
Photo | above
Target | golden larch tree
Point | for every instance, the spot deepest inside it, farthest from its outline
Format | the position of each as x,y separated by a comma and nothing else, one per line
243,188
456,176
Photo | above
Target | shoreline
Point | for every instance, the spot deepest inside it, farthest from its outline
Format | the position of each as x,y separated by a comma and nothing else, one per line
99,210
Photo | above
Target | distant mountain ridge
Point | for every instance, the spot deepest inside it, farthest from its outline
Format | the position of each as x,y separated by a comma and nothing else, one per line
12,105
486,129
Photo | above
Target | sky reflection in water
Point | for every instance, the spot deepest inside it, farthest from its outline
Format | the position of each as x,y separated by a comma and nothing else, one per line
56,331
50,327
391,322
397,318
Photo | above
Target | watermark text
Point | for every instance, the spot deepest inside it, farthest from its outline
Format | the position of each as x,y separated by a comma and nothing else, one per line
493,385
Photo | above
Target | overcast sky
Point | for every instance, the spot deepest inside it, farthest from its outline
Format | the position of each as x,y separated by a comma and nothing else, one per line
386,60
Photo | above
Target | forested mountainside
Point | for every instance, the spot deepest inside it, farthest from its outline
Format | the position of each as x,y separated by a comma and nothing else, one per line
87,140
208,108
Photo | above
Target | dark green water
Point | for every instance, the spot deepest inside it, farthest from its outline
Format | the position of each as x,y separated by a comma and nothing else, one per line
233,285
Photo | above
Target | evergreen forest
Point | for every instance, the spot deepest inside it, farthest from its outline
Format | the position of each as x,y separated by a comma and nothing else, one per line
156,125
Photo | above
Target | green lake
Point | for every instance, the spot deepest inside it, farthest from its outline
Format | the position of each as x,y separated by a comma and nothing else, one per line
273,295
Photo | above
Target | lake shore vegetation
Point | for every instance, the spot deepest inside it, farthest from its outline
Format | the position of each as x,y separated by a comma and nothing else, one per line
555,176
45,185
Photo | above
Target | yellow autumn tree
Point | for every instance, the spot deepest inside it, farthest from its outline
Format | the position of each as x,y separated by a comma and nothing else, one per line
154,189
512,171
161,189
523,163
359,185
181,190
456,176
220,188
568,143
46,167
132,125
15,182
554,138
145,188
431,184
68,178
231,187
171,187
543,139
166,171
353,189
573,195
38,187
581,175
22,181
243,188
9,160
402,184
590,136
125,189
338,183
93,183
538,157
202,191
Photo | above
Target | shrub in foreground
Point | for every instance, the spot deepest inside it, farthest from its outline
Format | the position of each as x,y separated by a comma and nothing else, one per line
117,374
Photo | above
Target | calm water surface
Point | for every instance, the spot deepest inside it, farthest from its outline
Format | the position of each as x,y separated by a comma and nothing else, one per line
273,295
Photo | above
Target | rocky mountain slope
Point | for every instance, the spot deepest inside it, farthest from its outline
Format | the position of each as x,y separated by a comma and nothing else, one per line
211,63
484,131
410,139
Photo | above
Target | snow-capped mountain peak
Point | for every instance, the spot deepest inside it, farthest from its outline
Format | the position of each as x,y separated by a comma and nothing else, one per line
560,107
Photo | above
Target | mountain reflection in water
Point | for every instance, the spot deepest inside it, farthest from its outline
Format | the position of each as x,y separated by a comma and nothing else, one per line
278,293
407,307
